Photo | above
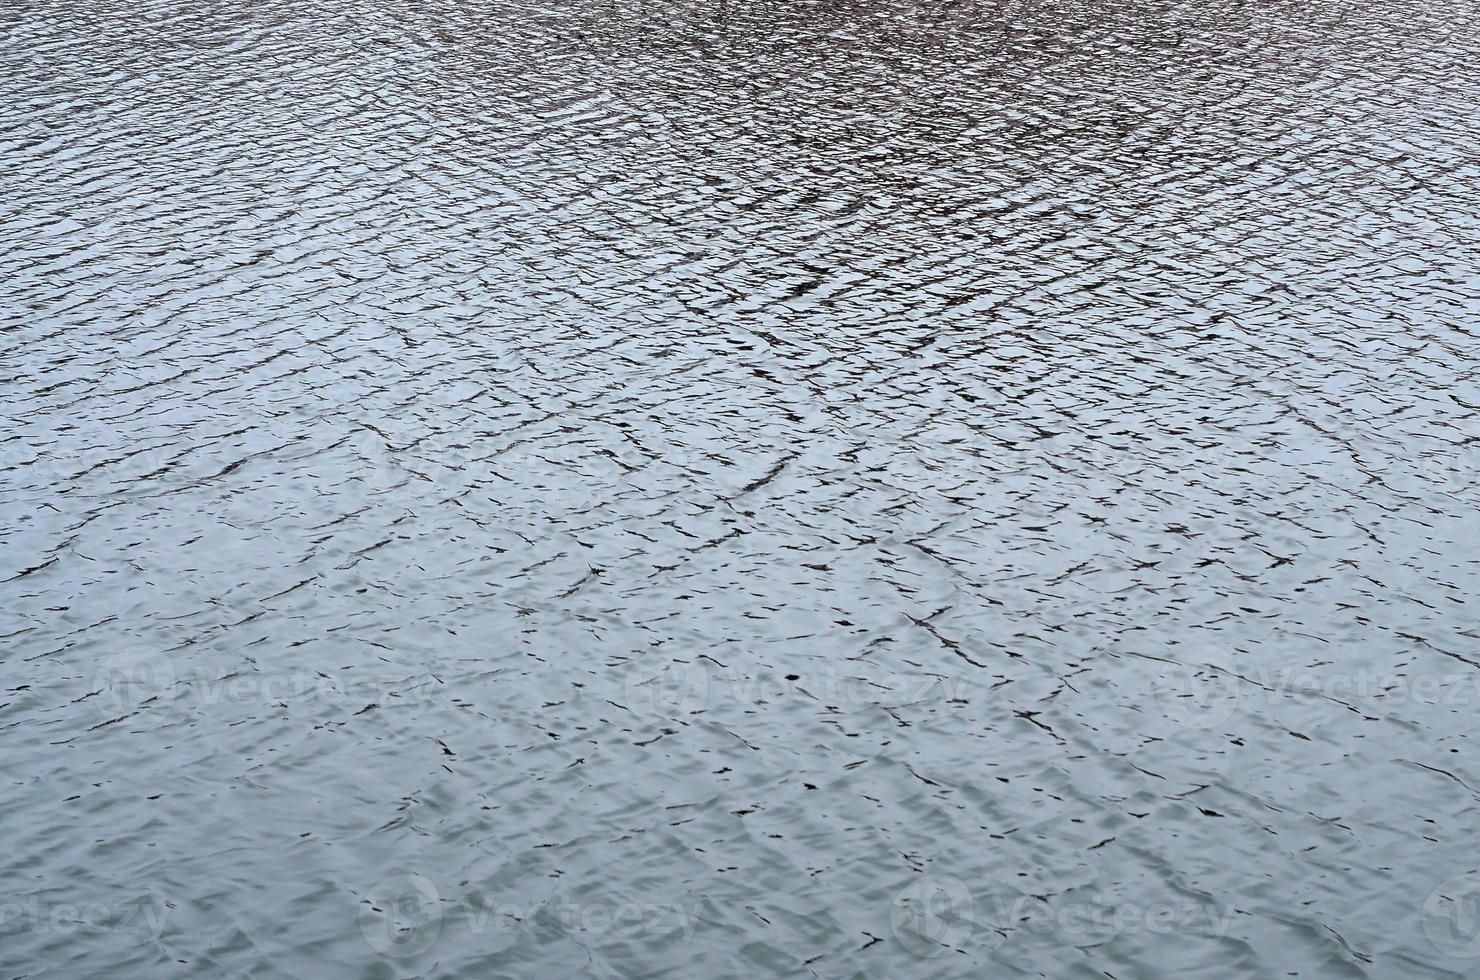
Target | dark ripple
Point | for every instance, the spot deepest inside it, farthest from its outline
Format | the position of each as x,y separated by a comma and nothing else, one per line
908,490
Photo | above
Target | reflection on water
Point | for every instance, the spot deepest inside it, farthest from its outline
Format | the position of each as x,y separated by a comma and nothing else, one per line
861,488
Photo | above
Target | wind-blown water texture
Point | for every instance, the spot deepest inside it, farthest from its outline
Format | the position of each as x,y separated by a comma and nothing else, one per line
854,489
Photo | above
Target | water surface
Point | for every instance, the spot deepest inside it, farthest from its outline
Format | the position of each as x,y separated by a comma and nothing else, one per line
744,489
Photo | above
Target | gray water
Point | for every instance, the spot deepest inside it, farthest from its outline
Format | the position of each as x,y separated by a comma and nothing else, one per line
513,489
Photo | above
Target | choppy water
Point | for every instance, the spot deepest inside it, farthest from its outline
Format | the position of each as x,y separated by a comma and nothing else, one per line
739,489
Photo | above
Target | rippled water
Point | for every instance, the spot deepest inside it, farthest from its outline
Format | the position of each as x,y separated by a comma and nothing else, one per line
739,489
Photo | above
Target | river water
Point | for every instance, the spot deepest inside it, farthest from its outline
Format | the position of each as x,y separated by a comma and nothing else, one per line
951,489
